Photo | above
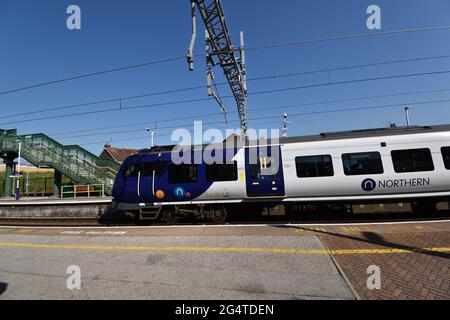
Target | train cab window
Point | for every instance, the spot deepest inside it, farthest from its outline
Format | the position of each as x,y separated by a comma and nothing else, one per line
412,160
145,168
183,173
133,170
314,166
221,172
446,154
362,163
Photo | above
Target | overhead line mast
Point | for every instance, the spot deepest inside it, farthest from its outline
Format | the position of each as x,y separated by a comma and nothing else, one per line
220,51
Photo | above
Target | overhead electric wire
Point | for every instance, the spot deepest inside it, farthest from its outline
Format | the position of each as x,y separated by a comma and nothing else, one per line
270,77
104,101
43,84
137,138
61,135
410,103
349,67
350,81
288,44
347,37
291,115
146,138
107,110
229,96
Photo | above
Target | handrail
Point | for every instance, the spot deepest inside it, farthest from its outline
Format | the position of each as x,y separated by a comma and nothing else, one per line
80,166
79,189
63,148
78,159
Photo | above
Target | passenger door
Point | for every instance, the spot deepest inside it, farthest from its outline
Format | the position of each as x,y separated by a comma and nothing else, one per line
264,172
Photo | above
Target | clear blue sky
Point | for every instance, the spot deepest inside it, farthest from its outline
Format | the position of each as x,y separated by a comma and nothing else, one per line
36,47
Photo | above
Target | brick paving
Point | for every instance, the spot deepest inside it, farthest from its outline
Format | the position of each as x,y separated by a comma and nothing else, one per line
405,276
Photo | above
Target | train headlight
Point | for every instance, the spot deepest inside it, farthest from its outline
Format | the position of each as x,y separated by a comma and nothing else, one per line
160,194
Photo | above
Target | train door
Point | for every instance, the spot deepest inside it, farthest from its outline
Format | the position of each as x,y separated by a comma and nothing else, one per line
147,180
132,187
264,172
143,183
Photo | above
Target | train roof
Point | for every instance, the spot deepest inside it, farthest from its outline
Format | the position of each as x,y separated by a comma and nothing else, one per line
325,136
367,133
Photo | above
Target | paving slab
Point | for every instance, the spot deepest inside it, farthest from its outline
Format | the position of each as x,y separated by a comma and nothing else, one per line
163,273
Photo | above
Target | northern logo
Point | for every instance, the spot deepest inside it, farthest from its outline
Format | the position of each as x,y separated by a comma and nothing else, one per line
368,184
179,192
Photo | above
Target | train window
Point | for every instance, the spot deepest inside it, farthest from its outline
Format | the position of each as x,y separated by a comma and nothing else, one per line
132,170
146,169
362,163
255,171
412,160
446,154
183,173
157,166
221,172
314,166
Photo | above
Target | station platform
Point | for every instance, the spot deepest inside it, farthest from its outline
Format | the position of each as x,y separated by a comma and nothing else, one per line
50,201
281,261
52,209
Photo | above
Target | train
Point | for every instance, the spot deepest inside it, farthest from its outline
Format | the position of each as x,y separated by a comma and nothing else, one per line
394,169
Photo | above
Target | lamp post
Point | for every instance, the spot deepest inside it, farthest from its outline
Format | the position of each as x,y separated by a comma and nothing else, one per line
152,135
285,126
407,116
17,175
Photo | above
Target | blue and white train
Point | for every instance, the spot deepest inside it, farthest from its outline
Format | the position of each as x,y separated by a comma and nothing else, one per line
376,170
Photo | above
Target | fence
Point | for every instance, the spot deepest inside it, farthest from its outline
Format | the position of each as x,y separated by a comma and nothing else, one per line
83,191
36,185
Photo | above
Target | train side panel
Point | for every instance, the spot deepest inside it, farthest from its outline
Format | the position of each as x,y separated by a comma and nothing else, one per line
368,185
228,190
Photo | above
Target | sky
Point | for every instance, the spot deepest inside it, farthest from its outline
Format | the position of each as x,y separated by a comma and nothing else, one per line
36,47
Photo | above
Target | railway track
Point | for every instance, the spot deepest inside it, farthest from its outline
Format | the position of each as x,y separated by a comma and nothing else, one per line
336,219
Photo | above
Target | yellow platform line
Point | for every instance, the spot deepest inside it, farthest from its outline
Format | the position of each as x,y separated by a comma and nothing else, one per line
224,249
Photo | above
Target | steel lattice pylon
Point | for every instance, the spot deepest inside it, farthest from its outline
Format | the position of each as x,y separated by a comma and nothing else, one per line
220,51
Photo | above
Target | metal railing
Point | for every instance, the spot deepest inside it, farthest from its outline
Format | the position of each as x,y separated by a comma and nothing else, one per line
83,191
74,162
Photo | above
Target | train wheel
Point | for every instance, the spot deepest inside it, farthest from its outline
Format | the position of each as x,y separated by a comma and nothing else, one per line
219,215
169,216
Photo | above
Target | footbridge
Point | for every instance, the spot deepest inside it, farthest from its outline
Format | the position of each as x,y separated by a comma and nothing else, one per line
42,151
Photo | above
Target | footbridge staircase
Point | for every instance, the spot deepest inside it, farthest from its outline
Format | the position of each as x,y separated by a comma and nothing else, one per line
75,162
